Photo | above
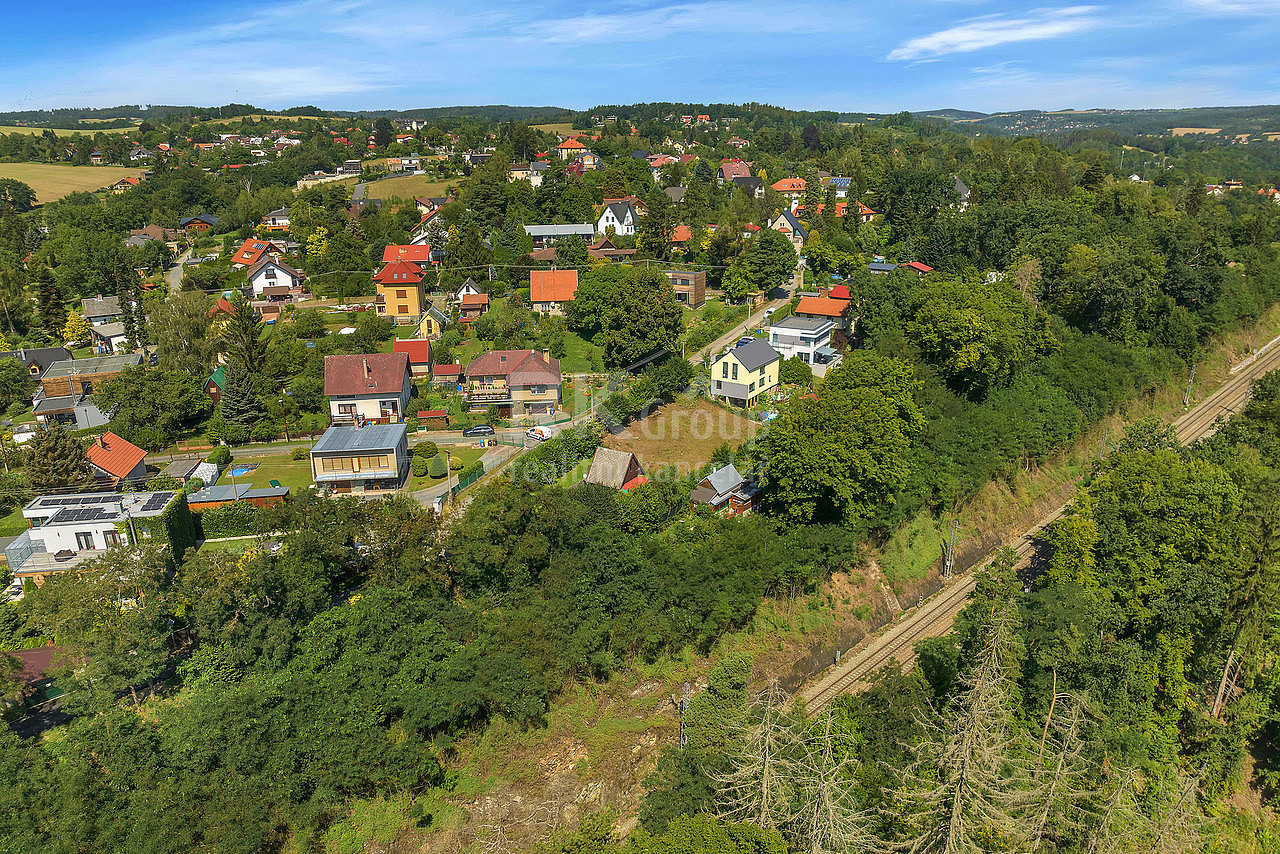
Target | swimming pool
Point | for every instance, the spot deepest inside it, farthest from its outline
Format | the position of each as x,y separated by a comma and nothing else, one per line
241,472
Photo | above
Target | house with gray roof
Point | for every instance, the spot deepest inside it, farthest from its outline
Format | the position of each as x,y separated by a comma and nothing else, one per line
726,491
744,374
614,469
359,460
545,235
620,216
751,185
99,310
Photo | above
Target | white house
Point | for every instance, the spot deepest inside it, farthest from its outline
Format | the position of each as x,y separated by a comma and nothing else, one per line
621,216
272,272
277,220
468,289
809,338
369,387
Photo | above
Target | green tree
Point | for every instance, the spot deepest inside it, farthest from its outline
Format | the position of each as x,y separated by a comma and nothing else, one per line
657,225
53,308
242,336
770,260
571,251
56,461
239,403
152,406
308,323
180,328
76,330
644,316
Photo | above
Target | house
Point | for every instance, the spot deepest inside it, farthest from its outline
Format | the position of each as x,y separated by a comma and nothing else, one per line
789,224
214,385
738,142
519,172
917,268
433,322
195,471
752,186
825,308
448,376
170,236
537,171
358,460
277,220
107,339
570,149
615,469
37,359
550,290
419,352
585,162
880,268
117,461
620,216
840,186
126,183
252,251
138,153
198,223
690,287
99,310
97,158
741,375
473,307
370,387
350,167
605,250
273,278
469,289
433,419
865,214
518,382
419,254
806,338
67,530
962,194
81,376
676,194
69,409
727,492
400,295
545,235
792,188
232,493
730,169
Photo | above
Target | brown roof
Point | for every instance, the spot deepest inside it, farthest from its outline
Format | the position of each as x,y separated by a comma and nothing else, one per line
520,367
369,373
475,300
114,455
264,261
822,306
552,285
610,467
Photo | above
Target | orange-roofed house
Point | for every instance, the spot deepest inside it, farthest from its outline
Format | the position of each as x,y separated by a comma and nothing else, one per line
917,268
570,149
252,251
126,183
865,213
473,307
417,253
826,308
400,295
117,461
792,188
419,352
551,290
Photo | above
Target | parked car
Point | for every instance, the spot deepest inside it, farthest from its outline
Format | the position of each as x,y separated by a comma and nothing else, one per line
478,430
542,434
744,340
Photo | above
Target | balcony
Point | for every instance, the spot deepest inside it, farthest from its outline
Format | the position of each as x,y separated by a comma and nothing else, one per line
489,397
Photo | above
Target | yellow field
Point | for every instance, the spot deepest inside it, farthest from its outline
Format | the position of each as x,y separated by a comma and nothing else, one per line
562,128
1190,131
408,187
59,131
52,181
257,117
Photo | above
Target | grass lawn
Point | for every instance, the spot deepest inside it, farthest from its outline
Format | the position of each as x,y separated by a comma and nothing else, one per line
52,181
237,546
408,187
564,128
575,474
13,524
467,455
578,353
7,129
295,474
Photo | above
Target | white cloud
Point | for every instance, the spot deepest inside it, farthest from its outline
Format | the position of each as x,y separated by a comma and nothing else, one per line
979,33
715,16
1237,7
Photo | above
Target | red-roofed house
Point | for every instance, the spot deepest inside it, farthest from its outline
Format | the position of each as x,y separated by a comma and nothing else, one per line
865,213
549,290
792,188
835,310
731,169
472,307
680,235
371,387
418,254
116,461
446,375
840,292
400,298
518,382
419,352
570,148
252,251
917,268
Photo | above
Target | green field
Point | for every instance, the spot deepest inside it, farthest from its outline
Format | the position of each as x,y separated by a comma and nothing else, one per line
52,181
466,455
408,187
562,128
295,474
60,131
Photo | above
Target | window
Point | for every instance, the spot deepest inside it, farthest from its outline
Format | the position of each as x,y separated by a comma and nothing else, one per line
538,389
379,462
724,370
735,370
402,294
335,464
86,387
761,374
346,409
111,538
84,540
751,388
402,309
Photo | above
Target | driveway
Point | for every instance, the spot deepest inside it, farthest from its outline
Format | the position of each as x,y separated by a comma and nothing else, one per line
754,321
174,276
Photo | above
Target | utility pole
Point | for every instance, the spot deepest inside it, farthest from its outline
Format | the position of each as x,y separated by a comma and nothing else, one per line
684,707
950,560
1186,398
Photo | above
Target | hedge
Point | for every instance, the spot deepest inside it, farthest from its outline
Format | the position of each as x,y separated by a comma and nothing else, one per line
418,466
475,468
230,520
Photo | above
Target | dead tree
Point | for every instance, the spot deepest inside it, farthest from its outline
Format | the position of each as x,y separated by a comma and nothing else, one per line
758,788
1059,786
1121,823
829,822
1178,819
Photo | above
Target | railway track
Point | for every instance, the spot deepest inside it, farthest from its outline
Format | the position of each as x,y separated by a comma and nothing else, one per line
934,617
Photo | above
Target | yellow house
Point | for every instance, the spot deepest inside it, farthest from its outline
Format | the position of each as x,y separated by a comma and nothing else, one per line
401,298
746,372
433,323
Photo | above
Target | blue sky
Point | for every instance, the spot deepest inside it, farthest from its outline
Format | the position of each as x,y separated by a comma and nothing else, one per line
807,54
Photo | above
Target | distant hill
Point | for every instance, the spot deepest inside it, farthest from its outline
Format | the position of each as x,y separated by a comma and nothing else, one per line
1226,120
949,114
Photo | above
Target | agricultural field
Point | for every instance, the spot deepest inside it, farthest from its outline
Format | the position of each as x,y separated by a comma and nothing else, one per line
562,128
408,187
682,434
7,129
52,181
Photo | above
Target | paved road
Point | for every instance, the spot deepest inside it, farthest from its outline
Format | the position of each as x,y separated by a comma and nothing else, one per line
897,642
753,321
174,275
357,192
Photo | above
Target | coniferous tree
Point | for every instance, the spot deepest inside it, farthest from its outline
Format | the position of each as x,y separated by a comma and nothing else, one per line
239,403
657,225
53,309
56,461
759,786
242,337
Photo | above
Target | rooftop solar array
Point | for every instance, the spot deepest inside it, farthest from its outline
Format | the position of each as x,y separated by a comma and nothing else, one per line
157,501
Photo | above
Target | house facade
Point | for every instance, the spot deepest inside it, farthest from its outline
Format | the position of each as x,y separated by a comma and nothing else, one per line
99,310
620,216
546,235
744,373
518,382
727,492
367,388
690,287
400,296
357,460
788,224
271,273
806,338
277,221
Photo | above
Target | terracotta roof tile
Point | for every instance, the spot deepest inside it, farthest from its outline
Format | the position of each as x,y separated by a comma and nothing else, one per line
114,455
418,349
369,373
822,306
552,285
523,367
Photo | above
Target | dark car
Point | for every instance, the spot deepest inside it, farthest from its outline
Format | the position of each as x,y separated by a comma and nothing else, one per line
747,340
478,430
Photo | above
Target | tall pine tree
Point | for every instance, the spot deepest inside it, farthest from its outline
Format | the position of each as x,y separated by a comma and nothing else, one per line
239,403
242,337
56,461
53,308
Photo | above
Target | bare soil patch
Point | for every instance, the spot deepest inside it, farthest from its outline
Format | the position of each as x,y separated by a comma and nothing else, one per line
682,434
